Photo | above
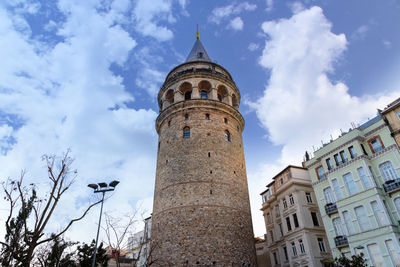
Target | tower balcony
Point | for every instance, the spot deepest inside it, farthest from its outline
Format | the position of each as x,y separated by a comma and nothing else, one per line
341,241
331,208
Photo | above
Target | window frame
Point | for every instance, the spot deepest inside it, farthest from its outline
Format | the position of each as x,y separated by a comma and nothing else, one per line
337,189
186,132
352,152
364,178
321,244
291,199
322,176
388,171
309,197
295,220
348,183
315,219
359,217
329,164
377,137
227,136
288,224
294,249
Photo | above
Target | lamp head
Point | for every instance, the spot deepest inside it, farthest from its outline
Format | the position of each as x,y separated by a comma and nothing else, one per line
102,185
93,186
114,183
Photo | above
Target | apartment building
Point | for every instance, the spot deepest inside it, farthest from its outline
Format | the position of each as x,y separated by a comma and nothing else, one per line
391,114
295,232
356,182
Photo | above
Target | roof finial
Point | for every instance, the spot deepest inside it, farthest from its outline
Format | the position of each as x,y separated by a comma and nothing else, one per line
198,35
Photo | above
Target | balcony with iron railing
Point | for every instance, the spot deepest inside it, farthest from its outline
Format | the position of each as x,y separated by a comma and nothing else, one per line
341,241
331,208
392,186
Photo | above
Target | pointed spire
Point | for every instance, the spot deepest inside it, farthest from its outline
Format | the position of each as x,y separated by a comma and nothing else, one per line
198,53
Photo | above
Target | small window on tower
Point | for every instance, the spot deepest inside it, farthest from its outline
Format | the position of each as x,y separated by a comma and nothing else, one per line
186,132
203,94
207,116
186,117
227,136
200,54
225,120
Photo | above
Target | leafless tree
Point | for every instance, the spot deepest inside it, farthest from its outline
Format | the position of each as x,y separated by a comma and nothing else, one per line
29,214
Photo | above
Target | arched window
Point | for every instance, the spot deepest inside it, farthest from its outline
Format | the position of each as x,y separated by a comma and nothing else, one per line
186,90
227,136
222,93
188,95
169,96
388,171
204,88
186,132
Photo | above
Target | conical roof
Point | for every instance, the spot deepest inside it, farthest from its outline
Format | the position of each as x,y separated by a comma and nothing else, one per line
198,53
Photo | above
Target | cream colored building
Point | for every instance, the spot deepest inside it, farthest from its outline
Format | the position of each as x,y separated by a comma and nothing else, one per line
391,115
295,232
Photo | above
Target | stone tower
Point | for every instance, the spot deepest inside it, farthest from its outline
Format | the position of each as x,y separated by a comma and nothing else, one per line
201,212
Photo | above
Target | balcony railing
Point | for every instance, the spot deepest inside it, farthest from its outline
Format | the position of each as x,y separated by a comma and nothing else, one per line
391,186
341,241
331,208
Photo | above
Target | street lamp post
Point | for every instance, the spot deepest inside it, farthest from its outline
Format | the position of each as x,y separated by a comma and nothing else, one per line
101,188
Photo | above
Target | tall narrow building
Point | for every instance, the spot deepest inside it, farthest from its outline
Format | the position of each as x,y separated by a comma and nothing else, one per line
201,212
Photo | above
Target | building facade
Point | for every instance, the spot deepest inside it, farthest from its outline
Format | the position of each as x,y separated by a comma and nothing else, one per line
295,232
355,179
391,115
201,210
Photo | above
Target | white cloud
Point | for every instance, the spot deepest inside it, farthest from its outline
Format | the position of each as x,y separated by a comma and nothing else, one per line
387,44
253,46
300,53
360,33
65,96
147,15
224,12
236,24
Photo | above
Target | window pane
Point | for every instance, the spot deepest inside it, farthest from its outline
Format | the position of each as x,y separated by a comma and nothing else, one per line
379,213
376,145
314,218
349,222
376,255
320,172
343,156
353,153
363,177
329,164
397,204
186,133
321,245
337,225
203,94
388,171
328,195
362,218
338,191
350,185
393,253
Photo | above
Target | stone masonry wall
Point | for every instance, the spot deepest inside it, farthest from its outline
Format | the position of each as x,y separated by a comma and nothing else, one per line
201,213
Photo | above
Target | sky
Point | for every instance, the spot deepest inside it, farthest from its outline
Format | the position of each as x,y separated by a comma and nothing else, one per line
84,75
